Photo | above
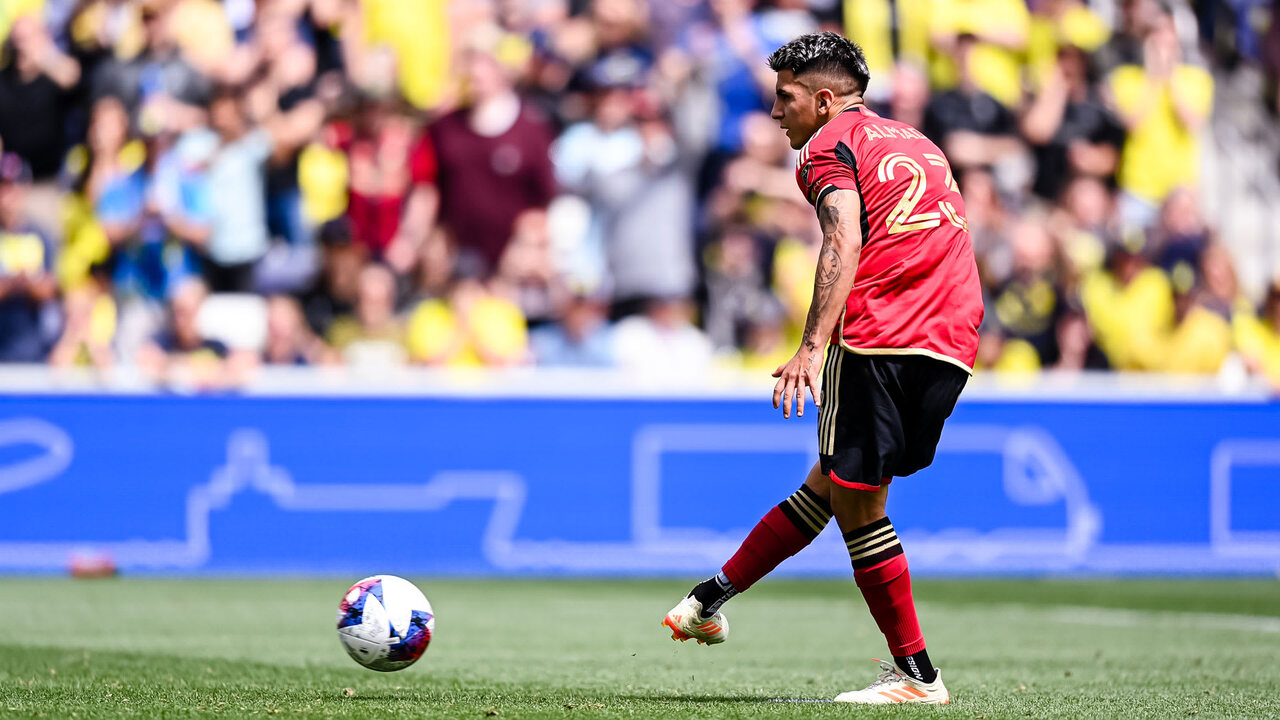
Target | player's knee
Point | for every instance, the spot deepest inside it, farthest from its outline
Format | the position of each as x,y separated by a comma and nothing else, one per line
855,508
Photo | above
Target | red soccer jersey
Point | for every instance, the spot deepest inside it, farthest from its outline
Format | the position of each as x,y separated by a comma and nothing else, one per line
916,290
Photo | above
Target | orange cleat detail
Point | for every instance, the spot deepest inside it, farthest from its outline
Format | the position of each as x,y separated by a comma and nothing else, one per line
685,622
676,633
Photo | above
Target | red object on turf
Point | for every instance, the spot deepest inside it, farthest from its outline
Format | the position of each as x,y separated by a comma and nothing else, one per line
886,587
774,539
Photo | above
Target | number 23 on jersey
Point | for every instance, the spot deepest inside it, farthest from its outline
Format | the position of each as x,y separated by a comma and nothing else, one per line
904,216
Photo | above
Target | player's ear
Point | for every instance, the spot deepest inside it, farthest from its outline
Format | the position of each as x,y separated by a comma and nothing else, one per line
824,99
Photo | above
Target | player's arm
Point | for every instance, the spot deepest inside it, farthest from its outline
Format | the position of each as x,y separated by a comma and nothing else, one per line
838,214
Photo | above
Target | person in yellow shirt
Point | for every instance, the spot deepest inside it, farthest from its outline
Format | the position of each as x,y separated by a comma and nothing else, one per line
1001,29
1058,24
1163,104
416,32
89,327
474,328
1257,336
11,10
1129,305
1200,339
888,31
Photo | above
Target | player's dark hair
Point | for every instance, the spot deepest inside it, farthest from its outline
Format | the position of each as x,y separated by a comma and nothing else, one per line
828,53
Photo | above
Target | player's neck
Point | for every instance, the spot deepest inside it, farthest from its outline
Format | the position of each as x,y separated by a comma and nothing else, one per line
845,103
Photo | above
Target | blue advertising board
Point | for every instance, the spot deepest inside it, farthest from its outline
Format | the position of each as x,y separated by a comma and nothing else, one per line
616,486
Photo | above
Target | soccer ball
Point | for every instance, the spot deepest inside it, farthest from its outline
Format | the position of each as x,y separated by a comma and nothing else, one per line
385,623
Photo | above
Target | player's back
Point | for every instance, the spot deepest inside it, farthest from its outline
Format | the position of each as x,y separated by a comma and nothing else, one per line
916,290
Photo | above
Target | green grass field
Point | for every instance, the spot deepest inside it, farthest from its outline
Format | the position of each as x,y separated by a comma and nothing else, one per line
569,649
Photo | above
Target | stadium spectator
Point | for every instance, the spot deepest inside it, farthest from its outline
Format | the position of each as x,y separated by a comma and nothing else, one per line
726,53
89,327
527,275
635,175
1083,222
1258,336
106,179
736,293
1200,338
909,96
289,340
662,343
285,86
391,196
472,327
496,333
1163,104
990,224
980,43
160,89
767,345
333,292
1028,305
1181,237
237,195
180,355
1077,350
36,81
28,311
372,334
581,337
1125,47
180,213
1070,129
972,126
493,160
1058,25
1130,306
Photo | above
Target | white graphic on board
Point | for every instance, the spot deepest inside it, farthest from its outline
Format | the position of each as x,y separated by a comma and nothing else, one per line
1227,456
1035,472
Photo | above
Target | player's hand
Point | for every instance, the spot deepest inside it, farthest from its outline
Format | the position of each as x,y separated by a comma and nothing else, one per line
800,372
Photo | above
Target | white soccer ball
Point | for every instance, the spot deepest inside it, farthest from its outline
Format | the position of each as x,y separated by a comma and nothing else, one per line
385,623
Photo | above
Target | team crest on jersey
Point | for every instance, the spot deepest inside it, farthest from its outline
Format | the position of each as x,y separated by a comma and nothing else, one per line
805,171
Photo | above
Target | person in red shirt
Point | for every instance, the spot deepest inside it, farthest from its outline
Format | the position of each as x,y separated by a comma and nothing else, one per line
897,305
391,196
494,164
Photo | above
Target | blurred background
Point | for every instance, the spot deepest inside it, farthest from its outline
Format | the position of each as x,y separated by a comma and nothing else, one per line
197,189
244,243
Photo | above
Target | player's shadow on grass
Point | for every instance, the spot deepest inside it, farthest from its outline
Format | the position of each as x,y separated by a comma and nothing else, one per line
743,699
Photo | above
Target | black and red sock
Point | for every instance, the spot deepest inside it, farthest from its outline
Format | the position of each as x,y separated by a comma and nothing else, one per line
880,570
784,531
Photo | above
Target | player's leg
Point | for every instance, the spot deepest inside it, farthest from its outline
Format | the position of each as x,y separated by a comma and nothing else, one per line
894,434
881,573
880,570
784,531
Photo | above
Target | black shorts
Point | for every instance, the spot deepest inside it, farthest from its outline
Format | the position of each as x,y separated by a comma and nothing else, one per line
882,415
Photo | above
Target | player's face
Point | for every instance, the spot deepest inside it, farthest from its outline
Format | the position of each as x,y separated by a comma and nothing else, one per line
796,109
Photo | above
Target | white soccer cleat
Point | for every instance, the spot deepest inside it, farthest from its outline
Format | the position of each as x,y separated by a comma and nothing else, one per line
686,622
894,687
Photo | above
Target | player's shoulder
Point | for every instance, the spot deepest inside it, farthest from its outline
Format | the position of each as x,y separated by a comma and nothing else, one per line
855,128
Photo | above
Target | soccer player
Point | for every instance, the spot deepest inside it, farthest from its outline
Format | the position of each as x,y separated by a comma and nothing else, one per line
897,304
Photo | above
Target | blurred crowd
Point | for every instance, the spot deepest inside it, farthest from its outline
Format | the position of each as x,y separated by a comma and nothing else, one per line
204,187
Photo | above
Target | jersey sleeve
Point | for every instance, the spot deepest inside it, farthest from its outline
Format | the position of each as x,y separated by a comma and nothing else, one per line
819,171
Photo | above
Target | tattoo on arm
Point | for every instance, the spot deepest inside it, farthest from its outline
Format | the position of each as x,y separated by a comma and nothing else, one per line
831,267
829,263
